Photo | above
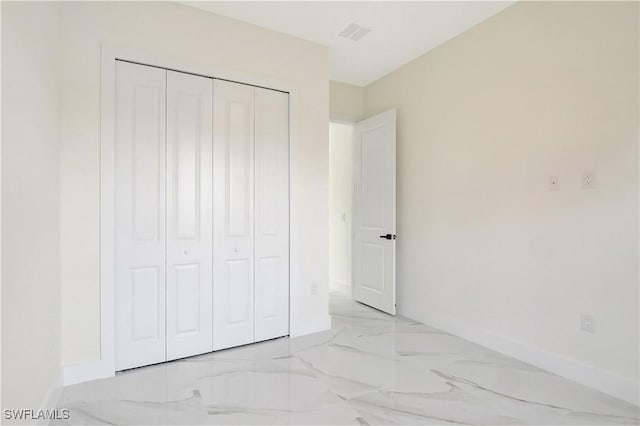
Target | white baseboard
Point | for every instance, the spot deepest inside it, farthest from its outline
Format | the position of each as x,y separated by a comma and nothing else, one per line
78,373
304,327
588,375
341,285
52,397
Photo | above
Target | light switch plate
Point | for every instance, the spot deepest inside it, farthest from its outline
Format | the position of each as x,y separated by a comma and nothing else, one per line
587,323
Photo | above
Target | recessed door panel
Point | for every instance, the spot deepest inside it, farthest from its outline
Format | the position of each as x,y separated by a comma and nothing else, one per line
140,215
233,321
268,287
372,267
372,176
239,283
272,214
238,165
189,214
188,299
147,150
186,143
145,285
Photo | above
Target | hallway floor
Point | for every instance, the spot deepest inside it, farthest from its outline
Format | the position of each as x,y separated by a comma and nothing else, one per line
370,368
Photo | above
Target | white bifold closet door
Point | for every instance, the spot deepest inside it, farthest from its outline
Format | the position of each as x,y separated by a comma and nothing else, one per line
233,217
189,215
163,215
140,215
272,214
251,214
202,214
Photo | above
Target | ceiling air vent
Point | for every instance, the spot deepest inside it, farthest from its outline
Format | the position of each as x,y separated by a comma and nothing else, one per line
354,32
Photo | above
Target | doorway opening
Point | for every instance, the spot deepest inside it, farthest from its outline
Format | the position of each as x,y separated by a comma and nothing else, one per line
340,208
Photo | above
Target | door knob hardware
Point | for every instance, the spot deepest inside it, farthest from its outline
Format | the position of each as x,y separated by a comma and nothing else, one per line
186,252
389,236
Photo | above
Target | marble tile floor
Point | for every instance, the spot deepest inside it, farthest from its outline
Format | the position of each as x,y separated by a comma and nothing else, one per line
369,369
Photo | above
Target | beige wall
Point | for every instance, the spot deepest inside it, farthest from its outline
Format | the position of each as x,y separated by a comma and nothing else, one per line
340,187
30,205
346,102
211,40
541,89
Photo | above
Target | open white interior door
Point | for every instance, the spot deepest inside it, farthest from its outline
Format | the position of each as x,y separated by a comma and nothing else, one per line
374,212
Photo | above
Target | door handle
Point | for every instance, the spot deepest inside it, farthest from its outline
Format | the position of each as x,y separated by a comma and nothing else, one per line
389,236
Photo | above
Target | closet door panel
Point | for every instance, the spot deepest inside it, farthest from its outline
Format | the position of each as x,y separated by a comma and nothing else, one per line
272,214
233,317
189,214
140,215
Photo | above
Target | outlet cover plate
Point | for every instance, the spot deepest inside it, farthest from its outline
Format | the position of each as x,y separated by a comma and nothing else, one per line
588,180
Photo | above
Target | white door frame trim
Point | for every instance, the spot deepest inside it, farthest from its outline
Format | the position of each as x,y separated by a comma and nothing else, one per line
105,367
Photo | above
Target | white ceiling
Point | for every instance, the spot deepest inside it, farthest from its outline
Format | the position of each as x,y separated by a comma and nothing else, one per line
400,31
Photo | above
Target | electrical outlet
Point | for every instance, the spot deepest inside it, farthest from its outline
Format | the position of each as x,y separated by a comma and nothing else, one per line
588,180
554,183
587,323
314,288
